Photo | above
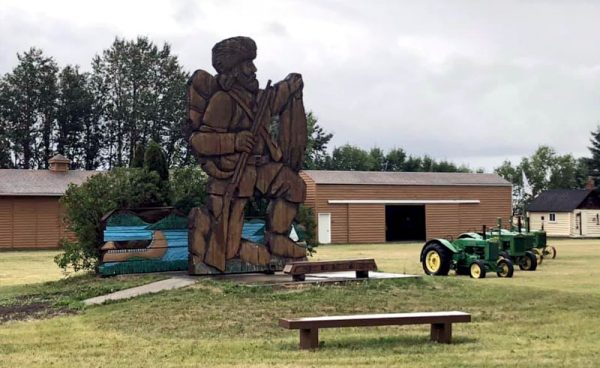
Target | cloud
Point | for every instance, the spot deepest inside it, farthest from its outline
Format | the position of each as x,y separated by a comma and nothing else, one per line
475,82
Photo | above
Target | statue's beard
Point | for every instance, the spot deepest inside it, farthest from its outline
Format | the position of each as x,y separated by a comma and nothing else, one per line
249,82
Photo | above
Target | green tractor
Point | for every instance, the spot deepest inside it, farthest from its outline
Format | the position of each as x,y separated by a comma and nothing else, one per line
540,244
516,246
475,257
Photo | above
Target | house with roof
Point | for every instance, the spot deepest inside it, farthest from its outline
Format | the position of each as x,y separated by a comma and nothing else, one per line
30,213
377,207
566,212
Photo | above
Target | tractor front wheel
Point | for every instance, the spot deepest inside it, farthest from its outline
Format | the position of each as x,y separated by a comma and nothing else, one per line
550,252
528,262
504,255
477,270
505,268
436,260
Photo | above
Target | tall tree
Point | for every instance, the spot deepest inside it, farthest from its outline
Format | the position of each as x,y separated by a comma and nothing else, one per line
594,161
316,147
348,157
155,160
78,132
28,100
144,98
378,160
413,163
395,160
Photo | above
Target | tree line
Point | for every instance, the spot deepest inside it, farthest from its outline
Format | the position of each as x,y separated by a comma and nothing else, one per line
134,94
546,169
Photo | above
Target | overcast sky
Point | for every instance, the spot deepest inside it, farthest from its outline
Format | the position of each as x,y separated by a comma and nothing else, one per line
475,82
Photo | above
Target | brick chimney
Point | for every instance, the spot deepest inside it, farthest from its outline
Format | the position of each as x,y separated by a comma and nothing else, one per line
590,184
59,163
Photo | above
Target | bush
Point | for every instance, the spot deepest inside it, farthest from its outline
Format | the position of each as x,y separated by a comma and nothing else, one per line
306,219
188,188
85,205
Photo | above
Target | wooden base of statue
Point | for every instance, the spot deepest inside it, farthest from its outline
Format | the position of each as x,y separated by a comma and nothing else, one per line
208,256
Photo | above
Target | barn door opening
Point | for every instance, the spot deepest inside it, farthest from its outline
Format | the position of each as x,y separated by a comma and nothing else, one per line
404,223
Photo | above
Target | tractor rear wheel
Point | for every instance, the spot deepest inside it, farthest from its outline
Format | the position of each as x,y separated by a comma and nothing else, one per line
436,260
550,252
505,268
528,262
539,255
477,270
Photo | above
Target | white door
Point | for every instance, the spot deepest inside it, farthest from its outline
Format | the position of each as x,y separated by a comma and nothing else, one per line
324,228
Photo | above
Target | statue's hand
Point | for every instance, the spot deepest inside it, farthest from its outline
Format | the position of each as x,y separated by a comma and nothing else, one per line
244,142
295,82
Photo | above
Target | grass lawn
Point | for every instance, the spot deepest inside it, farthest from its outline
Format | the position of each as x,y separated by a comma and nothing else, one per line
545,318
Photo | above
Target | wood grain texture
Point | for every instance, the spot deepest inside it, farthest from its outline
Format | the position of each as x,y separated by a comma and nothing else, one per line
229,131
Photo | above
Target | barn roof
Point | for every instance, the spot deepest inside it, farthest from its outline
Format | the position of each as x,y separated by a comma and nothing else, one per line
20,182
405,178
558,200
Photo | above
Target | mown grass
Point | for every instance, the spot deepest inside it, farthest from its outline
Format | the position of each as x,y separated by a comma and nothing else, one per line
27,267
538,319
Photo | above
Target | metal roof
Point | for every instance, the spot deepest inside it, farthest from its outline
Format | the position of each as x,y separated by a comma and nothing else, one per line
558,200
20,182
405,178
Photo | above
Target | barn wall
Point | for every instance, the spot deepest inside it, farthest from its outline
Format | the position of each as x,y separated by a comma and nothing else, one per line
30,223
365,223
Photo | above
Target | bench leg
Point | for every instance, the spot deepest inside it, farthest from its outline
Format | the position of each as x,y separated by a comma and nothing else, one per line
309,338
362,274
301,277
441,332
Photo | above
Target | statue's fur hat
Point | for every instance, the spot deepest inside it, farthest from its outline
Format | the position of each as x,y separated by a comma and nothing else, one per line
232,51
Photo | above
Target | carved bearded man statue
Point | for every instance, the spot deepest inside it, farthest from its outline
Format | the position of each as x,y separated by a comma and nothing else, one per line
230,117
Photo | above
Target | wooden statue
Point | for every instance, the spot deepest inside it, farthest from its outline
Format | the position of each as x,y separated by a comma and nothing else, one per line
231,119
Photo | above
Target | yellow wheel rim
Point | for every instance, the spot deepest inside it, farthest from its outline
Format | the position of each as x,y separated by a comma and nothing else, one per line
527,263
475,270
433,261
503,269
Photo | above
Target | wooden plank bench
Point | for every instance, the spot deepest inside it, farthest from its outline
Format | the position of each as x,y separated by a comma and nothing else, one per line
298,270
441,324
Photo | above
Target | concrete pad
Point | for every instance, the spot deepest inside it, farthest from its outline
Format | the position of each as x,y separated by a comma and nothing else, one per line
280,278
175,282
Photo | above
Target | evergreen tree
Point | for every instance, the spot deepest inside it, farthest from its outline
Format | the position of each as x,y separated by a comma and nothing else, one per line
378,161
138,157
594,162
78,133
143,91
28,100
155,161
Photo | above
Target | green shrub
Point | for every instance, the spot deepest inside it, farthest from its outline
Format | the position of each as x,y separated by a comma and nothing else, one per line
188,188
306,219
85,205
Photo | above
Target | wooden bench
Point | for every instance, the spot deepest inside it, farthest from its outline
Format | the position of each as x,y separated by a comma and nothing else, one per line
441,324
298,270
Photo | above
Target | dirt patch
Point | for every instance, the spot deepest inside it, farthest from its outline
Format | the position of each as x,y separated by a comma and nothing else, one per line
19,312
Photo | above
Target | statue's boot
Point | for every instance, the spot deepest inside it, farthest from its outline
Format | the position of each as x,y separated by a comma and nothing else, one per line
253,253
281,245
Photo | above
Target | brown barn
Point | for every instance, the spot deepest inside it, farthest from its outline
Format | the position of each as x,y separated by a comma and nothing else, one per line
377,207
30,215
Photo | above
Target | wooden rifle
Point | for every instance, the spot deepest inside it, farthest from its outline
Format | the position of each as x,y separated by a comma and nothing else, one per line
223,224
